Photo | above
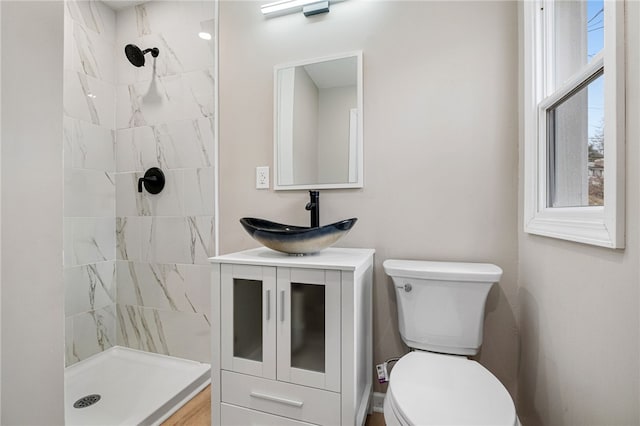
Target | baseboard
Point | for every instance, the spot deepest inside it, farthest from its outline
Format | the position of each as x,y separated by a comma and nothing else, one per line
378,402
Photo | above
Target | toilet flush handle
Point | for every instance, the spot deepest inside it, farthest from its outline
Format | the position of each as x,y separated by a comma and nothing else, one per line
407,287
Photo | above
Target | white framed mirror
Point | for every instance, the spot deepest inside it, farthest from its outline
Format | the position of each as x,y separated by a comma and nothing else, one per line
318,118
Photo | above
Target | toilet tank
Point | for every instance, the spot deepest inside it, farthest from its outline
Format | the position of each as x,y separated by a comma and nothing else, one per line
441,304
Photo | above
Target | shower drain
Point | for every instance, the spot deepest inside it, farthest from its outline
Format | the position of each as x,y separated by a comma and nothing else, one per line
86,401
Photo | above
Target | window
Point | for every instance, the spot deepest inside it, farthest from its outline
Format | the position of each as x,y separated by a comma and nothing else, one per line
574,120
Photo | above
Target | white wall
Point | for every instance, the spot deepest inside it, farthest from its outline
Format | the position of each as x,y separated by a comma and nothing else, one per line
165,118
89,185
440,141
579,306
172,128
32,311
32,179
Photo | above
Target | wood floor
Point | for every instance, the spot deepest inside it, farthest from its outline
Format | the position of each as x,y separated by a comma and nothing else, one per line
197,412
375,419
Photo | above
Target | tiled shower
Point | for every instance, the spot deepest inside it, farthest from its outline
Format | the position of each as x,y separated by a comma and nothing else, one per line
135,264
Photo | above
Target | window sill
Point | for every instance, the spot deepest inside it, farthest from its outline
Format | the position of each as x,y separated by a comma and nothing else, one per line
583,225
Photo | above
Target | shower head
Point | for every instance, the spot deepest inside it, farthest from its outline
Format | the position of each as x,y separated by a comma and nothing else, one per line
136,56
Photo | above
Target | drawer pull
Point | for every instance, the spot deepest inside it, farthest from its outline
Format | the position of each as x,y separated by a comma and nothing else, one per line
285,401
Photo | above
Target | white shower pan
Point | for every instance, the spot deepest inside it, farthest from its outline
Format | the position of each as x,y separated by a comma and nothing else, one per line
135,387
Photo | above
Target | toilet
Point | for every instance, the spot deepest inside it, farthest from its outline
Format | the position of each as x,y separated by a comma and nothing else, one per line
440,316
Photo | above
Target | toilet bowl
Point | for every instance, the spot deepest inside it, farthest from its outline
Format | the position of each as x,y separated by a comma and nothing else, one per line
440,315
437,389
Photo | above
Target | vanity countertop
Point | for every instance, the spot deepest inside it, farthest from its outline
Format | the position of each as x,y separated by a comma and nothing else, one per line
344,259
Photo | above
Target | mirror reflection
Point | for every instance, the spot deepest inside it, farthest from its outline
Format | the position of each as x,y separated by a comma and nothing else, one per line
318,138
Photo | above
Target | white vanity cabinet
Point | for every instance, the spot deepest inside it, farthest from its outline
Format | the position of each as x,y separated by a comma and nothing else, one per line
292,337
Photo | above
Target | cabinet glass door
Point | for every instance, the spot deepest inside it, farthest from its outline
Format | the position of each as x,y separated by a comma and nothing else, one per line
309,327
308,303
248,311
247,319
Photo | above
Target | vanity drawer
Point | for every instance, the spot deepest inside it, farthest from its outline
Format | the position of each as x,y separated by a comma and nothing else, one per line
238,416
284,399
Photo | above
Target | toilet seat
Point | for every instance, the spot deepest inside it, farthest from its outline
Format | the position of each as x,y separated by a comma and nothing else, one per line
436,389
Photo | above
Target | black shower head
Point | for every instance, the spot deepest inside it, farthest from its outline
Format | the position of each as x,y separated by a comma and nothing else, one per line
136,56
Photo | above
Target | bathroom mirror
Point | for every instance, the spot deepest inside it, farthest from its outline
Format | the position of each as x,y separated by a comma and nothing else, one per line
318,123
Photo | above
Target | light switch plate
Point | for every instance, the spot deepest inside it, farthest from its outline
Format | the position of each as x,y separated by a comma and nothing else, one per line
262,177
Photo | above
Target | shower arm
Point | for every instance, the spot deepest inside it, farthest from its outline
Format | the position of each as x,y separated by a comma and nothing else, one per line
154,51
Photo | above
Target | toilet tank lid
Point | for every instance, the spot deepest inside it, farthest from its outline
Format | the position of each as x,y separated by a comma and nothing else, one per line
444,271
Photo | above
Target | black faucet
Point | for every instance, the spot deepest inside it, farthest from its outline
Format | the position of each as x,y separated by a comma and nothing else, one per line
314,207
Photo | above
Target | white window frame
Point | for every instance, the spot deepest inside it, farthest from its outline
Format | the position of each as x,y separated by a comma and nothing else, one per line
597,225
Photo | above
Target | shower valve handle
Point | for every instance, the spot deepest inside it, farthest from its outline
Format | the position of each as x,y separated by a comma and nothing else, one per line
153,181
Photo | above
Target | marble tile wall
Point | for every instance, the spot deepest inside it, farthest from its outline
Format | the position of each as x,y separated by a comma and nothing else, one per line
164,118
136,270
90,179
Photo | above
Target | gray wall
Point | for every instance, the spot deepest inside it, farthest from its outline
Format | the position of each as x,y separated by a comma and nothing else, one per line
579,314
440,141
32,283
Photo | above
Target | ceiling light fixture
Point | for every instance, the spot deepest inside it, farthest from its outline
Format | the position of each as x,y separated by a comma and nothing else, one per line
308,7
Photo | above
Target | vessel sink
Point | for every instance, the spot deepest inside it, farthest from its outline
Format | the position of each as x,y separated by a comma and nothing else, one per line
295,239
